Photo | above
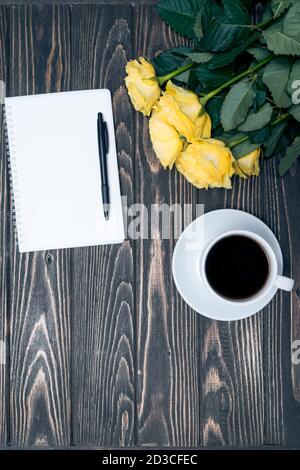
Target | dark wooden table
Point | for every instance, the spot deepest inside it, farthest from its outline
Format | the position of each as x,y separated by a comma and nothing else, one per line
100,348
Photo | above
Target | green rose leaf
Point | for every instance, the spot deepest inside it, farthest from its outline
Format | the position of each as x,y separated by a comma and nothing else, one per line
236,12
180,14
295,111
198,26
259,53
237,104
243,149
225,27
183,77
213,108
290,157
222,36
256,121
213,78
230,138
276,77
273,139
206,10
294,76
260,99
259,137
267,10
285,40
224,58
200,57
171,59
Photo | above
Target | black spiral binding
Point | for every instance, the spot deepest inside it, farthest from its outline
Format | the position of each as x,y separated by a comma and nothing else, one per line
13,174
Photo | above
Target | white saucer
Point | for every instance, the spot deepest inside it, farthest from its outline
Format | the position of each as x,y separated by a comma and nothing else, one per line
186,257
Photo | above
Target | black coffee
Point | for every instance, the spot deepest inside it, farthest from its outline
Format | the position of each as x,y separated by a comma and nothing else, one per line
237,267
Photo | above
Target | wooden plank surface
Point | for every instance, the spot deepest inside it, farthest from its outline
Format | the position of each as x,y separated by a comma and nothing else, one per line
168,359
291,312
276,314
290,187
232,379
39,285
4,243
102,350
103,313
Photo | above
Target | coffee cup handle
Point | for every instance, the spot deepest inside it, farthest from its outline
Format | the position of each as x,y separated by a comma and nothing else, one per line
284,283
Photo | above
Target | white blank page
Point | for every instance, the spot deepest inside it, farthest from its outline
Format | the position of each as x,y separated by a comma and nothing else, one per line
55,170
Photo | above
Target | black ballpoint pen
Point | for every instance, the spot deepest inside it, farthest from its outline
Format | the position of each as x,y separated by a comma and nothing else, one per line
103,150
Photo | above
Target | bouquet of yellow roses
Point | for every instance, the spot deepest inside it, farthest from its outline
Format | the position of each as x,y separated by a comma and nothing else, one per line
213,107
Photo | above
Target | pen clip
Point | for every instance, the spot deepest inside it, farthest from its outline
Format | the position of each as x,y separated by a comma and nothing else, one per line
106,140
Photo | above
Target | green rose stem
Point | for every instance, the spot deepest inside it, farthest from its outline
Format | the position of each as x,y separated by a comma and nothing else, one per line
266,23
162,80
280,119
166,78
236,79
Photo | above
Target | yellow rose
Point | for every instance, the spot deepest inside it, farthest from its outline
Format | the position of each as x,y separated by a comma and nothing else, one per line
248,165
175,118
203,127
188,102
207,164
142,85
165,140
171,113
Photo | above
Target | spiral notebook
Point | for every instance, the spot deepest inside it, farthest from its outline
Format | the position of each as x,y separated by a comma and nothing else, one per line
55,173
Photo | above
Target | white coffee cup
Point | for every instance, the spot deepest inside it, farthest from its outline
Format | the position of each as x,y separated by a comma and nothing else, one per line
274,278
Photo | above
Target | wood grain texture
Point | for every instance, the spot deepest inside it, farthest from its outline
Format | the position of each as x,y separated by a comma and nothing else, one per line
39,288
102,350
232,379
4,245
291,311
103,277
245,378
290,189
277,313
168,359
245,381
